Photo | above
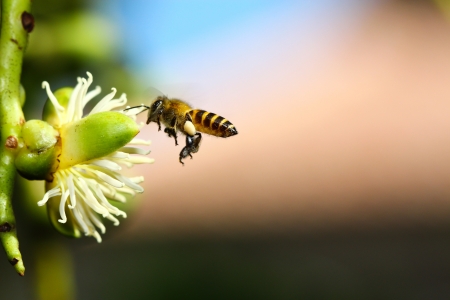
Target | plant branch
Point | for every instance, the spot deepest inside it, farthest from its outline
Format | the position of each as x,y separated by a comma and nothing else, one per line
16,23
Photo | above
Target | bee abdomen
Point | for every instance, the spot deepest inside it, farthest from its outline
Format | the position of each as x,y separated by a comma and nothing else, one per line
211,123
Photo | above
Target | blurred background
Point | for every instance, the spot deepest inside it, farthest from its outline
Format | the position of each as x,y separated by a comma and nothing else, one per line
336,187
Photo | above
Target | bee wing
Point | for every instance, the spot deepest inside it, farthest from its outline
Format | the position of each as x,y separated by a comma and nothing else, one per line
152,93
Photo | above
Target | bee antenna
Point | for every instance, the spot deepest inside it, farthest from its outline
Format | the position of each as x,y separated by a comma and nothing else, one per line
139,106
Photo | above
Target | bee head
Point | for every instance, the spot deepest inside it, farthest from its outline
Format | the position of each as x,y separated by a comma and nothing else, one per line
155,110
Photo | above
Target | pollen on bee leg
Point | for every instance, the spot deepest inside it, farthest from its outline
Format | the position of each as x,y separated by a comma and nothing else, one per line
189,128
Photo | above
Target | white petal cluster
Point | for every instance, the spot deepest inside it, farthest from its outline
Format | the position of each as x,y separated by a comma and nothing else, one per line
86,188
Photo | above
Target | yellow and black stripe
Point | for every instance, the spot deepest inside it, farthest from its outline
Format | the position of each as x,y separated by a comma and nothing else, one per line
212,124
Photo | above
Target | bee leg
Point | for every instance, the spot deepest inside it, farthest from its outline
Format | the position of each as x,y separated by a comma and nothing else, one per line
171,131
192,146
159,124
158,120
187,149
196,145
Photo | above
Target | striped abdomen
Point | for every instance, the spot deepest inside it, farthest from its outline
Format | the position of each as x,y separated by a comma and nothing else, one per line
212,124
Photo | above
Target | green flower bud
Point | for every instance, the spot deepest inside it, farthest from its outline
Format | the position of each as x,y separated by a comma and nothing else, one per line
95,136
39,135
38,159
37,165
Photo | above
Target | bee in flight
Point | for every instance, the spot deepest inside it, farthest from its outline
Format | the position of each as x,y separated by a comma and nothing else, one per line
177,115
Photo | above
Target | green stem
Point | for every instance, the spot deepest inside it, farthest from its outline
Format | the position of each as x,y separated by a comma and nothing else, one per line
16,22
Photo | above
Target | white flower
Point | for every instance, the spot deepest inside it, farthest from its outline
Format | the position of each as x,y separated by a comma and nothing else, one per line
84,189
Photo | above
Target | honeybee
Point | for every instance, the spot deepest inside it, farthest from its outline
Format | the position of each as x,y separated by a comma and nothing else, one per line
176,115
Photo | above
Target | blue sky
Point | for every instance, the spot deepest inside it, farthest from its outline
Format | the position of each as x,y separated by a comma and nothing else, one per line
154,29
208,51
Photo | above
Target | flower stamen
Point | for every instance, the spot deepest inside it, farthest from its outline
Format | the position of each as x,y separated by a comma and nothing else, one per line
62,205
87,188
